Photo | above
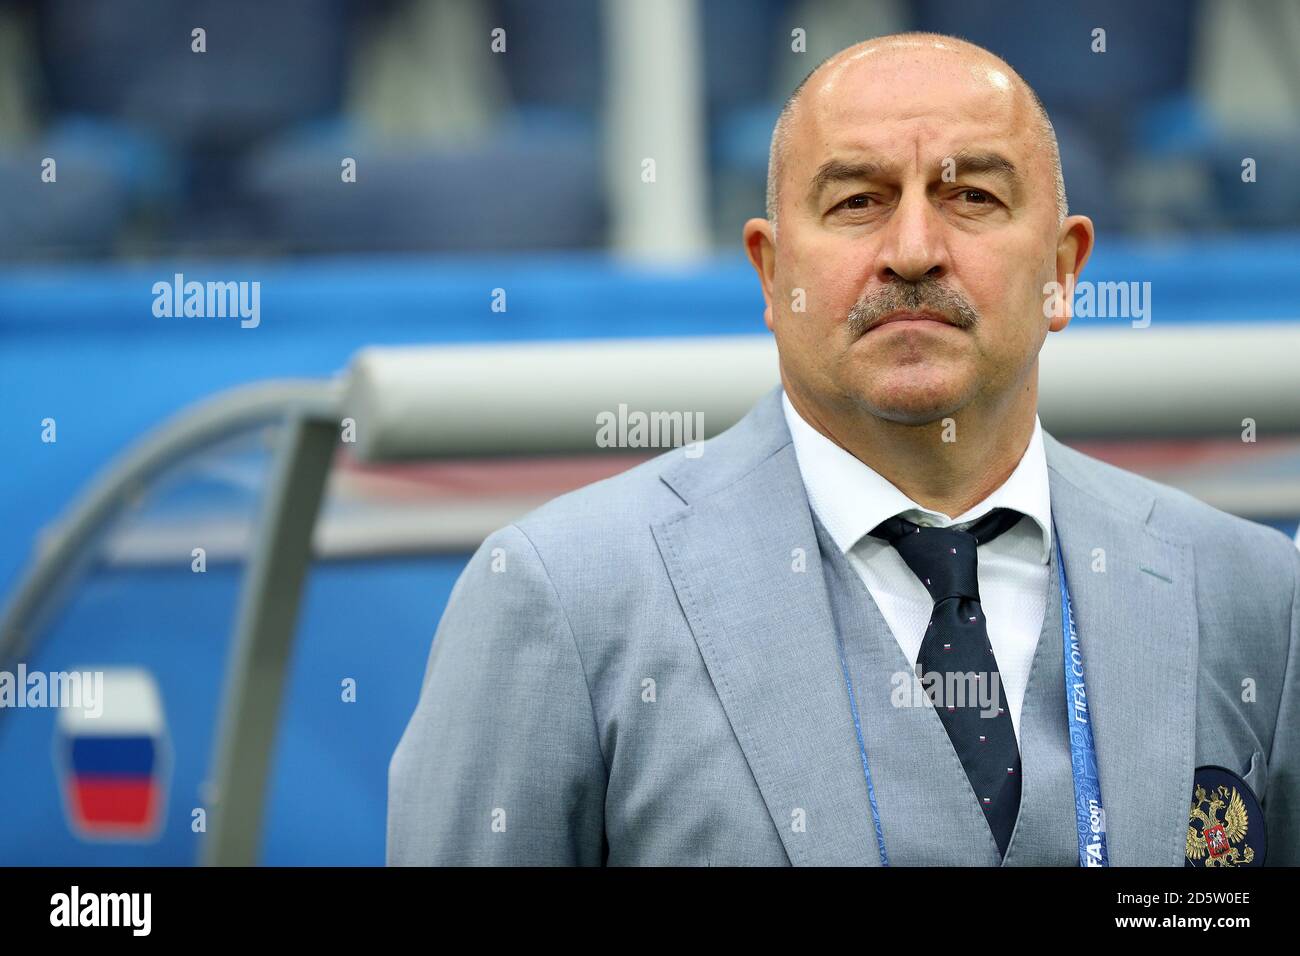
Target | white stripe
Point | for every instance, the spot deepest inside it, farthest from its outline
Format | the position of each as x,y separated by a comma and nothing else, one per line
130,704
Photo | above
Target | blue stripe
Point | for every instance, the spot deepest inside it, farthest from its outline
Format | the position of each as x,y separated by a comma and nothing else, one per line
573,294
132,756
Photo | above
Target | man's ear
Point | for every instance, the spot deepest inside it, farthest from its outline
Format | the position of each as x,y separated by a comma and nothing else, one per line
1074,244
760,247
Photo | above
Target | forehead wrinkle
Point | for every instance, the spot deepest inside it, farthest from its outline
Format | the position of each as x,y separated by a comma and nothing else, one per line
1001,135
967,160
935,118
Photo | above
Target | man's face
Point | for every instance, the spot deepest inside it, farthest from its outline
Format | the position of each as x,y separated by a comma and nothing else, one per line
912,183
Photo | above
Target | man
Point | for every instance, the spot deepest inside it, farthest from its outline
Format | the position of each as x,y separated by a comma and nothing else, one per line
758,655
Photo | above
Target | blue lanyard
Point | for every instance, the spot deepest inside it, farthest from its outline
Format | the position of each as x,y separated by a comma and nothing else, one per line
1090,817
862,749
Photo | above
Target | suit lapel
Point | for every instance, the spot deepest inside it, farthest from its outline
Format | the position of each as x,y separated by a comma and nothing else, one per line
1137,624
746,569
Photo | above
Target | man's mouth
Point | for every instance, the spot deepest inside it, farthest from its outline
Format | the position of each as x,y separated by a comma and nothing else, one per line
910,316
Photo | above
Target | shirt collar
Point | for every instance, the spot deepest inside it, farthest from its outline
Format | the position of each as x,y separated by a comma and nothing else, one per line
851,498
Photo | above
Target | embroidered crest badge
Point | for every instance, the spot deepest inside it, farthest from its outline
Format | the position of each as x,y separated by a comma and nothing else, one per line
1225,825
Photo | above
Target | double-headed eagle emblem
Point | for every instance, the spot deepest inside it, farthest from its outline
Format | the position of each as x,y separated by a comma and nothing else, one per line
1223,821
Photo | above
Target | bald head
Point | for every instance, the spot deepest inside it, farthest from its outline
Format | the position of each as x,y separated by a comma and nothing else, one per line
942,48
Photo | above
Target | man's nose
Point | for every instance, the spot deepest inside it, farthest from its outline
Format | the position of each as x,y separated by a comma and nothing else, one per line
914,246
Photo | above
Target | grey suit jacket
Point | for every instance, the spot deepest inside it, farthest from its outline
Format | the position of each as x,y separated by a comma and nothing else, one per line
645,671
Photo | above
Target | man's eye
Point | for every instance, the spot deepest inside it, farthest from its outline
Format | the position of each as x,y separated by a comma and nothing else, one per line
980,197
859,201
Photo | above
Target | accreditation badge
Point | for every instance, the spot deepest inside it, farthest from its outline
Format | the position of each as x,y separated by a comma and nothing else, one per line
1225,825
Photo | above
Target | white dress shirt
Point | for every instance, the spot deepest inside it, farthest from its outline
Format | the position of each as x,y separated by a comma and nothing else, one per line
851,499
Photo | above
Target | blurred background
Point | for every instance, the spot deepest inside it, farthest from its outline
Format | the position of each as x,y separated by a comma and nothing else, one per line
495,145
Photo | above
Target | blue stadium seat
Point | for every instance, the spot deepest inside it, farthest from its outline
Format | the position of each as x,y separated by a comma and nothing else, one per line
266,65
536,184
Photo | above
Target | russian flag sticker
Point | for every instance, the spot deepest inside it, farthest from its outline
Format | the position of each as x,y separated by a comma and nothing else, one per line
114,766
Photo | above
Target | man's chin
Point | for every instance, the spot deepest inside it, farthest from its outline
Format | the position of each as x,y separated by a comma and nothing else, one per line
913,416
913,404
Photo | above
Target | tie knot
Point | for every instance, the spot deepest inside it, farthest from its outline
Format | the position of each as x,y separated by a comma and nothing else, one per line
945,559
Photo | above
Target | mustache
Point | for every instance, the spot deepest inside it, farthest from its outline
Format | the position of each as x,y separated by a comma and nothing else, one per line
928,296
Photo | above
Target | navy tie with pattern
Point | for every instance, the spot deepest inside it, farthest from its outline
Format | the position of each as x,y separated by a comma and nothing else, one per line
956,648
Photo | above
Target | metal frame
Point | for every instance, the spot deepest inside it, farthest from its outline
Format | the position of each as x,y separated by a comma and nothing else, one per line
270,594
259,660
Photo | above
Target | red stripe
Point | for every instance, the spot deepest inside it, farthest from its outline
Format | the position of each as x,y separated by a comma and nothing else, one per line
114,801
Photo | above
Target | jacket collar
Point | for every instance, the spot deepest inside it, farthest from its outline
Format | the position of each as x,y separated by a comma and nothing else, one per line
851,498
